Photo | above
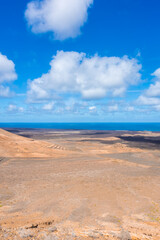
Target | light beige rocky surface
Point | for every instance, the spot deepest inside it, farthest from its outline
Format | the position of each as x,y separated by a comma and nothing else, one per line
78,185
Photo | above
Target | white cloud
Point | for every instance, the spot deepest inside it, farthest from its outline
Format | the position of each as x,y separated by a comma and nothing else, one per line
92,77
145,100
152,102
113,108
7,74
151,96
7,69
5,92
49,106
157,107
154,89
66,106
62,17
156,73
129,109
14,109
92,108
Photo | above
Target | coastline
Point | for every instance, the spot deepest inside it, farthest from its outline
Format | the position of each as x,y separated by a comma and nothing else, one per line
101,126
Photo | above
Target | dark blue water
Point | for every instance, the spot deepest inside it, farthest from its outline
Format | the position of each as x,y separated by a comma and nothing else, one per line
87,126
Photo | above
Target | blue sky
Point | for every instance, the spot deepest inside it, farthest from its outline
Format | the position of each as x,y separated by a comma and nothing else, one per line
87,60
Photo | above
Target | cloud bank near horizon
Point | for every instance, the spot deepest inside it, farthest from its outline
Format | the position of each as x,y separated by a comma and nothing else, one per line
63,18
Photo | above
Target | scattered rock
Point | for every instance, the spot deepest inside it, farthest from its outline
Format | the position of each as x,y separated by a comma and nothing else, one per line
52,229
124,235
73,234
24,233
93,234
31,226
50,237
34,226
6,235
49,222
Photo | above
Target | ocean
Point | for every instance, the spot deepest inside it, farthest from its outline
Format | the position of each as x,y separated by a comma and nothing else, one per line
87,126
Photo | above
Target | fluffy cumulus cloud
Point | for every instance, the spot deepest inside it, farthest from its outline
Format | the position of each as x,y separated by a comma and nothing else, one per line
151,96
154,89
91,77
63,18
7,74
7,69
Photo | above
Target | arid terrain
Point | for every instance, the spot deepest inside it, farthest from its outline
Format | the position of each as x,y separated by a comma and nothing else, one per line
77,185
